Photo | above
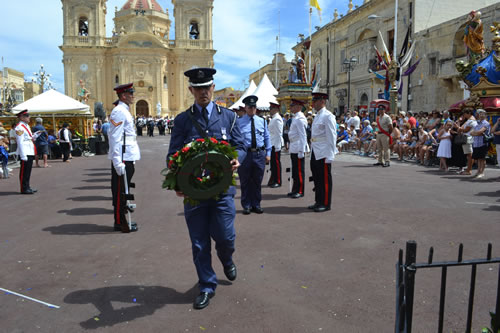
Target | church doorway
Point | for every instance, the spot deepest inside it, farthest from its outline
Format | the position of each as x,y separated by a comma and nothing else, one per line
142,108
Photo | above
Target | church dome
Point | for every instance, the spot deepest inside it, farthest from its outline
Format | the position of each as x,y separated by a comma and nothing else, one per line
142,4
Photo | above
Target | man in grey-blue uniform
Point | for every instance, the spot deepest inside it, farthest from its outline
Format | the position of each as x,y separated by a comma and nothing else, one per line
210,218
251,171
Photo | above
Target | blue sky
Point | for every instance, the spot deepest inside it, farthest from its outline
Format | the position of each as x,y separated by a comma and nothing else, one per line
244,34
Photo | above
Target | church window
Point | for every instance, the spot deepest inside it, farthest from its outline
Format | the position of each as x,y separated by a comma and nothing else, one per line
83,26
165,86
194,31
117,79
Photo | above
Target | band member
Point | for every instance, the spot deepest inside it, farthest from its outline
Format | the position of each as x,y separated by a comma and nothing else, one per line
276,136
210,219
251,171
298,147
123,152
323,150
25,151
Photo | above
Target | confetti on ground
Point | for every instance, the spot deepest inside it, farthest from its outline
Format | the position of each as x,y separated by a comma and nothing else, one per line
342,238
96,318
303,287
261,266
202,328
29,288
134,300
94,275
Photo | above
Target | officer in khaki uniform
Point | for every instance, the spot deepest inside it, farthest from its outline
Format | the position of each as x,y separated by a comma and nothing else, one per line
384,138
26,151
122,132
323,148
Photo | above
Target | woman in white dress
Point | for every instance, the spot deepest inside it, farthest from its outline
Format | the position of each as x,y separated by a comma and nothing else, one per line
444,149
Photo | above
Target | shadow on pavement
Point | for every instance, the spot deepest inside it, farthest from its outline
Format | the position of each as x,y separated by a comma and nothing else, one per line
140,301
282,210
99,169
97,180
273,196
493,209
98,174
360,166
80,229
91,198
92,187
8,193
489,194
86,211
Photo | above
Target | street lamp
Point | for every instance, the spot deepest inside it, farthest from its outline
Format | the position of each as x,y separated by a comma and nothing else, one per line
42,77
349,67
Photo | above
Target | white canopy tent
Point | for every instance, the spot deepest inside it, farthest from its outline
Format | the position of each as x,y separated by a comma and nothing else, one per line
266,94
52,102
250,91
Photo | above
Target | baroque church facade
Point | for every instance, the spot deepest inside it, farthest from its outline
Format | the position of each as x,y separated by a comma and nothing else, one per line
139,51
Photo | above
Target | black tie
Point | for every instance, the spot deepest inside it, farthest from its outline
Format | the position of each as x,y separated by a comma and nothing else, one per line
254,139
204,111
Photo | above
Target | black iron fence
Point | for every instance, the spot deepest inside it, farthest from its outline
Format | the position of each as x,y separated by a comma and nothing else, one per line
405,286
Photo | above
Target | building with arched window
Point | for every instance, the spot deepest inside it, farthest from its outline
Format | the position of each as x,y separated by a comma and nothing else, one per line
139,51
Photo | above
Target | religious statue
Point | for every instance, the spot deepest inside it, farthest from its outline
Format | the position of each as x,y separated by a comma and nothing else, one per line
297,73
83,93
473,37
158,109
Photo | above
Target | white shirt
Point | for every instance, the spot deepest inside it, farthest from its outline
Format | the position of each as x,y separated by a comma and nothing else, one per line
121,122
297,134
354,121
324,135
24,138
276,131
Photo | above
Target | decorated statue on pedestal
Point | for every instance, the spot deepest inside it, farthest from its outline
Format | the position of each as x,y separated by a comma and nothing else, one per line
473,37
83,93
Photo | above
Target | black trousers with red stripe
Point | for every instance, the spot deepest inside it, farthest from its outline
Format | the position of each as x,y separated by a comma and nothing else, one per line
118,187
25,173
298,173
322,176
275,168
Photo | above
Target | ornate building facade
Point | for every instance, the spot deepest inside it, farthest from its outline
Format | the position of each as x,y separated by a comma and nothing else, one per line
139,51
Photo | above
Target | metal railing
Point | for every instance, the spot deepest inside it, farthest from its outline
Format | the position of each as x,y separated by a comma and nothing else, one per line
405,286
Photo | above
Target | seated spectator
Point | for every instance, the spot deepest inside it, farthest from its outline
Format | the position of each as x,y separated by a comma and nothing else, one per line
395,134
55,149
422,139
432,122
429,150
365,137
353,137
404,141
372,146
342,137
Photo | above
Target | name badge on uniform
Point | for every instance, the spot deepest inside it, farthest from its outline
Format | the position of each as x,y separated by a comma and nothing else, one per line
223,131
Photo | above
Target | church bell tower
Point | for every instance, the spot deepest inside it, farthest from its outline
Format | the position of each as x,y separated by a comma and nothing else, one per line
193,23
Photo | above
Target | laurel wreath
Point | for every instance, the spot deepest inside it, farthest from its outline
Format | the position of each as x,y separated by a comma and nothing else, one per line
201,170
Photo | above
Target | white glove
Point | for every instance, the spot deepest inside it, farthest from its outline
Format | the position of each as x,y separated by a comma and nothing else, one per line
120,169
328,161
301,154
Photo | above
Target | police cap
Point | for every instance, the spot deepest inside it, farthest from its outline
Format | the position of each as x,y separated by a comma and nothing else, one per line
128,87
200,77
296,102
274,105
23,113
319,95
250,100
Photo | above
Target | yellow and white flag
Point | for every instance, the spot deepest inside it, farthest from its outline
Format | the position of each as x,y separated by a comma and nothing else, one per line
315,4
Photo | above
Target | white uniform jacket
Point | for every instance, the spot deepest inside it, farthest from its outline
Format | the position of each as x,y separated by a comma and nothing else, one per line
121,122
24,138
297,135
276,131
324,135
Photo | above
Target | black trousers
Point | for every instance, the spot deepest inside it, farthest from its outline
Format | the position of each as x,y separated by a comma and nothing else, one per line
322,177
65,150
298,173
118,187
25,173
275,167
139,130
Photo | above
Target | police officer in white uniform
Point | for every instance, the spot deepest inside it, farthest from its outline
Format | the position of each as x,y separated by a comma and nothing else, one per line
298,147
323,147
122,132
25,151
276,136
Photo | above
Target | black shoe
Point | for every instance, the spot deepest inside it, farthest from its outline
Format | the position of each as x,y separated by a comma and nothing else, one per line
276,185
202,300
230,272
28,191
296,196
246,211
118,227
378,163
290,194
33,189
126,229
387,164
321,208
312,207
257,210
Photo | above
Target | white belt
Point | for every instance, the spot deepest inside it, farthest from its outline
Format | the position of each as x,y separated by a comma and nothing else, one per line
293,139
318,139
130,138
